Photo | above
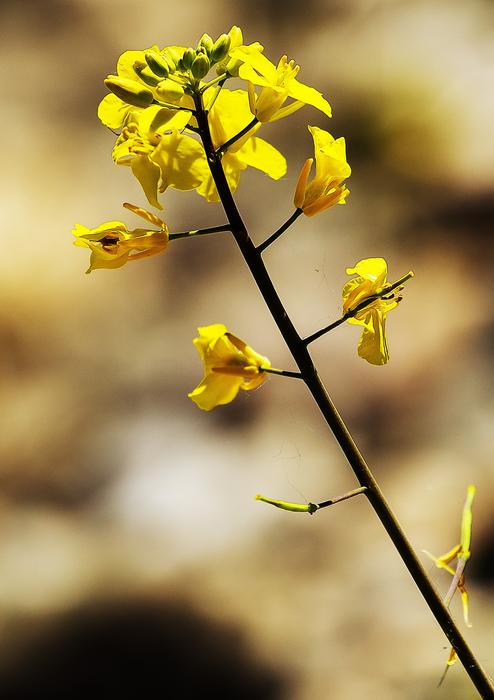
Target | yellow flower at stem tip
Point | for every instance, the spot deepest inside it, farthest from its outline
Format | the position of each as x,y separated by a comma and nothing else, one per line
112,244
229,365
277,84
326,189
370,284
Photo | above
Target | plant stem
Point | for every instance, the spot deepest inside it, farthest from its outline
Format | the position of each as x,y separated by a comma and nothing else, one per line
282,372
223,149
360,468
199,232
344,497
278,233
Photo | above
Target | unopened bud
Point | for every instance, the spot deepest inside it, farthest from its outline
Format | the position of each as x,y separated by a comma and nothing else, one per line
200,67
207,42
236,36
130,91
220,48
157,64
171,54
145,74
169,91
188,58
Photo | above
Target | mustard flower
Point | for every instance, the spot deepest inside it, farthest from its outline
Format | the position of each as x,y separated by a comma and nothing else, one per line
112,244
277,83
228,116
231,64
157,153
326,189
370,281
229,365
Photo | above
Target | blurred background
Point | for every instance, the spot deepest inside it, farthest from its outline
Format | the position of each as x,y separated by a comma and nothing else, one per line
132,552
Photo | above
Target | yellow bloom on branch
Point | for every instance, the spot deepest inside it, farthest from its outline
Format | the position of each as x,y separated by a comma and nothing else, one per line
112,244
327,188
366,304
228,117
229,365
277,83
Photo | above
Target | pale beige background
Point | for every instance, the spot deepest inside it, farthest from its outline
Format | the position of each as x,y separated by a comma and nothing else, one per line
113,484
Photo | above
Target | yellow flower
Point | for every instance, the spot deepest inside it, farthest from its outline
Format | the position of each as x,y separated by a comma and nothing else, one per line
229,115
229,365
112,245
326,188
158,154
231,64
277,84
369,285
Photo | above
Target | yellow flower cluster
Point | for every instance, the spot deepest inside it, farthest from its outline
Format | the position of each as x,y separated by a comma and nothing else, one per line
160,100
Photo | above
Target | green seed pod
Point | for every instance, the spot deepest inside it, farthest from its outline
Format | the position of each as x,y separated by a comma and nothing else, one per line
145,74
188,58
130,91
169,91
157,64
207,42
200,66
220,48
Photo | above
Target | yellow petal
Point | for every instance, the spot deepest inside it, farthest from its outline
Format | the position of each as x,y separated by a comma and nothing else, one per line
215,390
148,174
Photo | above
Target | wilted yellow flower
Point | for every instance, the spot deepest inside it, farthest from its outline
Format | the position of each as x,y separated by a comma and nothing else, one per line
277,83
112,245
371,281
229,365
326,188
461,552
229,115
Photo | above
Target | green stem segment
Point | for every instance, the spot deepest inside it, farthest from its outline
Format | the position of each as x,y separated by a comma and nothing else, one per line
199,232
278,233
360,468
223,149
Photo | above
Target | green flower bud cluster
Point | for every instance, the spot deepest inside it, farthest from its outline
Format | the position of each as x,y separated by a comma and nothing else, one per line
198,62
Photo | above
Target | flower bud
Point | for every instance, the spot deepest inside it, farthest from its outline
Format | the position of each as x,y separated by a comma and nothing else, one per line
172,55
220,48
200,67
169,91
142,70
188,58
207,42
157,64
130,91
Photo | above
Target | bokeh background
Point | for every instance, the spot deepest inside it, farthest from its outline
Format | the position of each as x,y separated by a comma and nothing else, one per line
132,552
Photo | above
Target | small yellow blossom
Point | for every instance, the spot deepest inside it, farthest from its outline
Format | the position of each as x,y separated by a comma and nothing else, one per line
157,153
229,365
277,83
112,245
229,115
370,284
326,189
231,64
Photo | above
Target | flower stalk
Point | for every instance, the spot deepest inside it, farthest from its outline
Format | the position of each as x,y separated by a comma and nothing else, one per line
301,355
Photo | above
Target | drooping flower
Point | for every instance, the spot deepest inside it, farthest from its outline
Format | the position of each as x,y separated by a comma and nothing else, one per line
327,188
112,244
229,365
277,83
366,304
227,118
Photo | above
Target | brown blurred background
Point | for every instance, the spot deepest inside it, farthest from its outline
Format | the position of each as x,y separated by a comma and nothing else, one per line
132,552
